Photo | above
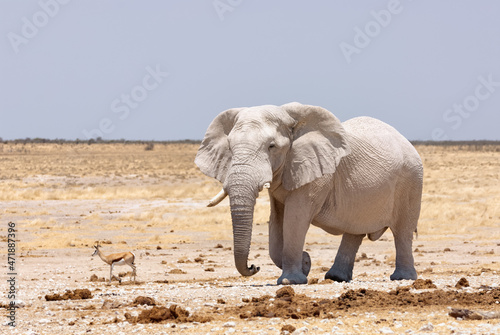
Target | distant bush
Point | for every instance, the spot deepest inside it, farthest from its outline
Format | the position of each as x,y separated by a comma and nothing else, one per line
480,145
150,146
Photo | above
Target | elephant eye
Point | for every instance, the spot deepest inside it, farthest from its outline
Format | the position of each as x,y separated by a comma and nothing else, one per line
272,145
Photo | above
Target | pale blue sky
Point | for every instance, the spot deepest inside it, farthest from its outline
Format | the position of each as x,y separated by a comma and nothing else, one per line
164,69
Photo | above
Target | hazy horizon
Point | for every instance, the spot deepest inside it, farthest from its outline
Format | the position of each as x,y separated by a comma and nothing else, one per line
162,70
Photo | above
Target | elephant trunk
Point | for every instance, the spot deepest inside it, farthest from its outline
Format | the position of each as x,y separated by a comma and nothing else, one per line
242,195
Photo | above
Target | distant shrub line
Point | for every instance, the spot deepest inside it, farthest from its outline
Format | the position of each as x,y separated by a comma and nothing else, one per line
477,145
98,140
457,143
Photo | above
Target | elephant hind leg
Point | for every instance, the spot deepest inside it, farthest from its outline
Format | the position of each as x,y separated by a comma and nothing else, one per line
405,268
409,194
341,269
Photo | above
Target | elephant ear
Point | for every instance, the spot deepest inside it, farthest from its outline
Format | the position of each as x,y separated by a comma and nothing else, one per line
318,144
214,156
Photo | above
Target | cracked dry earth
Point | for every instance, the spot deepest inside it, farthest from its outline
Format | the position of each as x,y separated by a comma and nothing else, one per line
192,288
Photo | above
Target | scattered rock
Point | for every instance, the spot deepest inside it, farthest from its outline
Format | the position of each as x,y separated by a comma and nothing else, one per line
467,314
210,270
177,272
159,314
108,304
301,330
427,328
95,278
287,328
229,324
219,246
463,282
70,295
140,300
313,281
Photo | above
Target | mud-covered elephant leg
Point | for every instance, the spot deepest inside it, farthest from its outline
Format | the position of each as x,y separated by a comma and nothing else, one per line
405,268
341,269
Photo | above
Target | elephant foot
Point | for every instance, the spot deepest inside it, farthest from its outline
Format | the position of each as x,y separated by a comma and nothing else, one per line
292,279
338,276
404,274
306,263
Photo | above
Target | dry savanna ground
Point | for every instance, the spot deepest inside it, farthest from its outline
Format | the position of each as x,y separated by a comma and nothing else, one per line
65,197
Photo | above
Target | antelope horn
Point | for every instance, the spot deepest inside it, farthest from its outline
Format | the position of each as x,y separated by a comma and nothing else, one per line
217,199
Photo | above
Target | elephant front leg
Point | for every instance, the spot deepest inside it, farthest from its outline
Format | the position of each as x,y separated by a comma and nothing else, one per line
276,238
295,262
341,269
276,233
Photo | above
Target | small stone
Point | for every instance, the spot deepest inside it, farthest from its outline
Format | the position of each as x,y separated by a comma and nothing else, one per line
19,303
302,330
229,324
386,330
427,328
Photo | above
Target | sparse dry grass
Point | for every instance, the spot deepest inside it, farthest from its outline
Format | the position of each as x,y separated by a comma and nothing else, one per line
101,171
461,193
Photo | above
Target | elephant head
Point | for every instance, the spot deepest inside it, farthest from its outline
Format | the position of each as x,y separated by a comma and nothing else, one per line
247,149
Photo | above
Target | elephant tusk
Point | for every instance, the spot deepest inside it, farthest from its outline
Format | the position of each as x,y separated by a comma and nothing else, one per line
267,185
217,199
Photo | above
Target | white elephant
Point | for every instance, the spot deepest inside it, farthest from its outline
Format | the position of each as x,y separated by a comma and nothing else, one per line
354,178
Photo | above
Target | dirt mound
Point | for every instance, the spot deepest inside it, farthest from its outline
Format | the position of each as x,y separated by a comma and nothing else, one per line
287,304
70,295
285,292
463,282
94,278
421,284
158,314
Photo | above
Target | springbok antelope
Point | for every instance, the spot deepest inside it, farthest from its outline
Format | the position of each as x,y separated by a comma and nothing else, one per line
121,258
